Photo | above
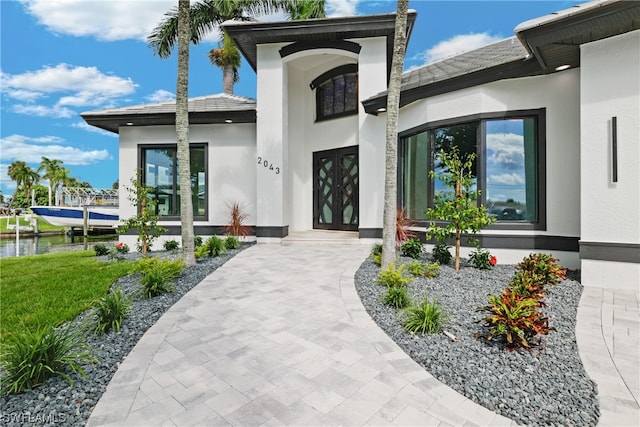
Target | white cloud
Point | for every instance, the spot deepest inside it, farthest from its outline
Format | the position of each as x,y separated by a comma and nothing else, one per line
5,181
458,44
336,8
31,150
506,150
160,95
507,179
104,20
51,90
42,111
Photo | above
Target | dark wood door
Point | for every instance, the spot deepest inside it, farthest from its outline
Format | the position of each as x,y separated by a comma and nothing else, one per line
335,189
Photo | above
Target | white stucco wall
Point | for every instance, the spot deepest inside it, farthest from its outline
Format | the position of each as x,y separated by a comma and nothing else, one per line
610,86
271,138
231,172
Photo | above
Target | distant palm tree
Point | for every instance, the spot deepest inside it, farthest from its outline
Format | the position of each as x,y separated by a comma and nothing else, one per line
24,177
209,14
51,169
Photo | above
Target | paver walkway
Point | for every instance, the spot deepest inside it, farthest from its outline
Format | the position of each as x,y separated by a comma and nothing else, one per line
278,336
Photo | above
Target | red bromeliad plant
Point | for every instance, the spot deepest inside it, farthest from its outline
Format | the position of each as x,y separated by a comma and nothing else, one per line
236,226
403,225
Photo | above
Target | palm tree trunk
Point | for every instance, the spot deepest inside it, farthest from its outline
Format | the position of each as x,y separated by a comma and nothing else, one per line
391,152
228,79
182,133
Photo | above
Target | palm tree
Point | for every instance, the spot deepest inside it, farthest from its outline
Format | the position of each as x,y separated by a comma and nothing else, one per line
51,169
182,133
391,152
207,15
24,177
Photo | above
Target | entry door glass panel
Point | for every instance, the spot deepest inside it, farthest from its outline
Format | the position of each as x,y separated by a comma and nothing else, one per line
335,189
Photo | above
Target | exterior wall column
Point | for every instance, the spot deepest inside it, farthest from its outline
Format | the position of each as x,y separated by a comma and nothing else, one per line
610,208
372,76
271,145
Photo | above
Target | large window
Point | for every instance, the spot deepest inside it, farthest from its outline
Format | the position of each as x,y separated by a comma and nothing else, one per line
337,92
160,174
508,169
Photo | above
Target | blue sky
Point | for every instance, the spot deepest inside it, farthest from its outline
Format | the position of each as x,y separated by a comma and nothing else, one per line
61,58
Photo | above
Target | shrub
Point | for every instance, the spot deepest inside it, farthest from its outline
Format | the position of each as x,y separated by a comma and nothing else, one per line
412,248
515,318
377,259
231,242
396,297
215,246
441,254
201,251
376,249
545,266
110,311
157,275
171,245
482,259
425,317
516,315
197,241
32,357
119,251
392,276
425,270
100,249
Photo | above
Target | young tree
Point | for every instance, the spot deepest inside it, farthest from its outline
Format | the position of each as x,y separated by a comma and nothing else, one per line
182,133
146,221
458,208
391,152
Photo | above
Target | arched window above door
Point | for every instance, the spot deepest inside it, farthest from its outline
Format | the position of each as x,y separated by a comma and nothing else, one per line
336,92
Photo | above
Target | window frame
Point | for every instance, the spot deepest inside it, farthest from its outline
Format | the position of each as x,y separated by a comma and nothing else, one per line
541,167
142,148
319,81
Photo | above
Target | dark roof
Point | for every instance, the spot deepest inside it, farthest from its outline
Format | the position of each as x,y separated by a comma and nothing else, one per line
542,44
504,59
219,108
247,35
555,39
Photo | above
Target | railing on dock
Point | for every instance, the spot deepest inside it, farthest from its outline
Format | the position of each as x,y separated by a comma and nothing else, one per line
82,196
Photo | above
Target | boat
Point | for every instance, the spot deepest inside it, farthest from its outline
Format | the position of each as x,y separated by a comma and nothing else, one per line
73,216
101,206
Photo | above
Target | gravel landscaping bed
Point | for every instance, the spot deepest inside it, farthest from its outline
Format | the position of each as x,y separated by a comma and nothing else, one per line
57,402
545,386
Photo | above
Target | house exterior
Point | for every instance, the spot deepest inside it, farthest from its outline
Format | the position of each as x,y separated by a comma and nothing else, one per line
552,114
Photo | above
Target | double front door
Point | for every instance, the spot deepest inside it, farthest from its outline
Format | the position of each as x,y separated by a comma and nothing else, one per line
335,189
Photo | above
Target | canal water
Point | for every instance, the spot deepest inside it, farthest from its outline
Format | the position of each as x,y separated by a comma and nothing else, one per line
49,244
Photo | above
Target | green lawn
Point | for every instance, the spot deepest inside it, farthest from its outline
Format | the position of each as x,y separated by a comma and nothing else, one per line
51,289
42,225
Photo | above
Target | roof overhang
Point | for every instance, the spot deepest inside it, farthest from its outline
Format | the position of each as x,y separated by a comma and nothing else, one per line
113,122
521,68
555,39
248,35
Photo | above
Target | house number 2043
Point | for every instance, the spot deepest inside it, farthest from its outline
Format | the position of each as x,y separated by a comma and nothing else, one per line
267,164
